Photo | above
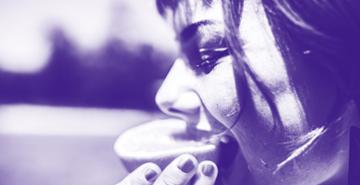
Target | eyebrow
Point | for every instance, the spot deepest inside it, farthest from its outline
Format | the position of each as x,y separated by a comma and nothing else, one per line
188,32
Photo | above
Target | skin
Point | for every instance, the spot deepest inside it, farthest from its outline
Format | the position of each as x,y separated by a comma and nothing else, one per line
172,174
304,151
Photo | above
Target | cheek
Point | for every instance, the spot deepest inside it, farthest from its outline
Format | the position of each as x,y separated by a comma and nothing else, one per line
219,93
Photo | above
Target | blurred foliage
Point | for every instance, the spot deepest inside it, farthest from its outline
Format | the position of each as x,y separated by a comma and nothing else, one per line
116,76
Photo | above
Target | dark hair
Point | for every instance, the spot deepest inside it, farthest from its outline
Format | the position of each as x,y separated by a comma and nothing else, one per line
316,33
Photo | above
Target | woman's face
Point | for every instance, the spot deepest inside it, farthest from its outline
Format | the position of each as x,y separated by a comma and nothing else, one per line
206,88
205,84
201,86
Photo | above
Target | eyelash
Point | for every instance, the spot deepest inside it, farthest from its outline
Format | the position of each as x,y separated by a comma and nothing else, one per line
209,58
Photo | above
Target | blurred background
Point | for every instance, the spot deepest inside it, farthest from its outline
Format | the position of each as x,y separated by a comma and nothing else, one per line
73,76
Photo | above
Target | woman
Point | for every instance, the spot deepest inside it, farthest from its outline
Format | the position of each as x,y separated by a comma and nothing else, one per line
281,75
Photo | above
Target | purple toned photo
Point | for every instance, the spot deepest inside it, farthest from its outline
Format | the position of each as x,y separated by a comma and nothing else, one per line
180,92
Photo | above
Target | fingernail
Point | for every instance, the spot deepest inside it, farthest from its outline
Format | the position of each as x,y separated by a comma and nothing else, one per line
208,170
150,175
186,165
225,139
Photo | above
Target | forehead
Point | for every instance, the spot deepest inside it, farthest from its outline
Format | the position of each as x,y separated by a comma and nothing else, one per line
187,12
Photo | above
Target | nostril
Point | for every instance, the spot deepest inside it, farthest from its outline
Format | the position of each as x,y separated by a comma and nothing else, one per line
189,116
184,114
164,102
171,109
189,113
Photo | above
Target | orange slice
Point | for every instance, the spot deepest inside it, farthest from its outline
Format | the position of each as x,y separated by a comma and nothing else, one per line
161,141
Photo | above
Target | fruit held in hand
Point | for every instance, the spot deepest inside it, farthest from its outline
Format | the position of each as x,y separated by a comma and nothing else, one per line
161,141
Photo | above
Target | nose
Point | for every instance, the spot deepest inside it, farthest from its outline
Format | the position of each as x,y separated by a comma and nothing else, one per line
176,96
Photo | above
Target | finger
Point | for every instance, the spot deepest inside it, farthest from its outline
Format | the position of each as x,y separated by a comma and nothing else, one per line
146,174
179,171
206,173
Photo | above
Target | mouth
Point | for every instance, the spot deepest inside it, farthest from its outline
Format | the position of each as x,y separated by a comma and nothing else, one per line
207,122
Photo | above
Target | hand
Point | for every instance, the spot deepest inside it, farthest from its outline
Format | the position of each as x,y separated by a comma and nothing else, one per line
179,172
